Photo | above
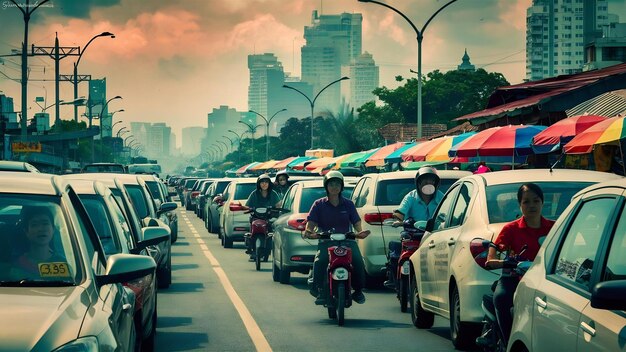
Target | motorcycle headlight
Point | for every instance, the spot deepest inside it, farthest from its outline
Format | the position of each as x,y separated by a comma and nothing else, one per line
88,343
340,274
406,268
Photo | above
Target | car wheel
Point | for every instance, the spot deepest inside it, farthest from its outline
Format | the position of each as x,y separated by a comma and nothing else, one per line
228,243
137,332
164,275
275,272
285,275
174,232
148,342
421,318
462,334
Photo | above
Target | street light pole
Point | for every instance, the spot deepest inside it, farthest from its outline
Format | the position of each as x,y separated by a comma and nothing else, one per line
238,145
312,102
420,36
80,55
267,130
101,120
252,130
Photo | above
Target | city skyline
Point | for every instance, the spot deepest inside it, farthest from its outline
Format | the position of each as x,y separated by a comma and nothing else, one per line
174,61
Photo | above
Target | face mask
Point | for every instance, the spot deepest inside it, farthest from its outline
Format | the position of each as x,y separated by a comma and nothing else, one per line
428,190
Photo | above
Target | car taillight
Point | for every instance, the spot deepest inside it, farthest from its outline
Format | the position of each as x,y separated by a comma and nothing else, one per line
235,206
195,194
376,218
297,224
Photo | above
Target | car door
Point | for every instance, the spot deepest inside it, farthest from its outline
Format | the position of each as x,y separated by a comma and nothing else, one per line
603,329
281,225
428,252
565,290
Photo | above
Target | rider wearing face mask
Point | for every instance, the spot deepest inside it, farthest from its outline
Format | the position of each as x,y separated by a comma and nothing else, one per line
421,203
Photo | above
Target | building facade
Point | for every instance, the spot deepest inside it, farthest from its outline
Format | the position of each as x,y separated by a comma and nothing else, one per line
364,78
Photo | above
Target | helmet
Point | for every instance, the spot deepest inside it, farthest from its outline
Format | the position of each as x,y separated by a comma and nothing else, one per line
263,177
424,173
334,174
281,173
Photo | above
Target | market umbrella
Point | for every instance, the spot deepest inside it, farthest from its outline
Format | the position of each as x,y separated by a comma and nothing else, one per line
512,140
264,166
321,163
245,168
358,158
396,156
281,164
298,163
561,132
378,158
340,159
440,153
610,131
419,152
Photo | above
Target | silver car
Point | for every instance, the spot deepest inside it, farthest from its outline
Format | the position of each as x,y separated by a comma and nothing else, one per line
573,296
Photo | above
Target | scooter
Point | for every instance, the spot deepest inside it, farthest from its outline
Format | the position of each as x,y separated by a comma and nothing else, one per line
491,338
260,238
398,266
337,288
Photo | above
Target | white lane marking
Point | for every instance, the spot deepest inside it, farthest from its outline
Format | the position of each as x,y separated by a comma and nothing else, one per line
254,331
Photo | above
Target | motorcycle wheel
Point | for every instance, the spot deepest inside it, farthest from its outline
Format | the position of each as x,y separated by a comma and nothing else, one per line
421,318
341,303
403,292
257,254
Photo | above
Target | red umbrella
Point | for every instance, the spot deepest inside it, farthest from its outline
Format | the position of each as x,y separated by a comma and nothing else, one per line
500,141
561,132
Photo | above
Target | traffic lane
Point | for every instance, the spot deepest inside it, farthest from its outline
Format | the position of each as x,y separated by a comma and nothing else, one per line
290,320
194,313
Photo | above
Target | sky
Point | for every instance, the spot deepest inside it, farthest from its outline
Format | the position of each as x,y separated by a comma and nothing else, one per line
174,61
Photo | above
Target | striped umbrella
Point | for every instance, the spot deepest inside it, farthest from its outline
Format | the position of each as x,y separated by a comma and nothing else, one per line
440,153
610,131
396,156
281,164
419,152
561,132
358,158
245,168
500,141
378,158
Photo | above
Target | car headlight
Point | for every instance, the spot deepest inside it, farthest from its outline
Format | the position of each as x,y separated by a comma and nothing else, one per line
88,343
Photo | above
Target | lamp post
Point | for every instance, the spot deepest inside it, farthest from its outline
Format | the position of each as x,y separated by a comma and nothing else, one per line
238,145
420,37
267,130
103,34
220,149
252,130
312,102
104,107
27,11
119,133
225,147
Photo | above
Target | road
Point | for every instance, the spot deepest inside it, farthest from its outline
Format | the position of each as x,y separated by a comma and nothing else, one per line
219,302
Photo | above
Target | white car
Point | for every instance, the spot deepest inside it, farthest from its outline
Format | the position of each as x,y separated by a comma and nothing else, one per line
376,196
445,278
573,296
234,223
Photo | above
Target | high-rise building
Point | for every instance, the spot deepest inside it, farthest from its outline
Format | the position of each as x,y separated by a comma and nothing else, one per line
266,76
364,78
153,138
555,35
192,138
332,41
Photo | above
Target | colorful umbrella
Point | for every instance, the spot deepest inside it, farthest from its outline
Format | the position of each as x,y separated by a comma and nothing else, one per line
246,167
396,156
283,163
321,163
609,131
440,153
561,132
378,158
358,158
264,166
500,141
340,159
298,163
418,152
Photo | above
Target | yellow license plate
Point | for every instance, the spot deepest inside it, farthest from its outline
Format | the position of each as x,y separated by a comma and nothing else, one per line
54,269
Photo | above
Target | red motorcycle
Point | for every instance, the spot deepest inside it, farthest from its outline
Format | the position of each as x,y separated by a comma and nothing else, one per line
338,285
398,264
259,239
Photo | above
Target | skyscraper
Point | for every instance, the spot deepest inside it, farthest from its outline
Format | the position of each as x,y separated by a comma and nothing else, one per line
266,76
555,35
364,78
332,41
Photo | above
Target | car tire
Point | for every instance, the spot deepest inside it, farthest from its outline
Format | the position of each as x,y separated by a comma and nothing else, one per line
149,342
174,232
164,275
275,272
228,243
284,274
463,335
421,318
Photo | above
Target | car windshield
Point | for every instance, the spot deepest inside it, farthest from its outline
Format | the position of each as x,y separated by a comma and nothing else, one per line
243,190
36,248
502,203
391,192
311,194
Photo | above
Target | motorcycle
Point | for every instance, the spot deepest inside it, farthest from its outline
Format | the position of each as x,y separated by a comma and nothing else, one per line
398,265
337,288
491,338
259,239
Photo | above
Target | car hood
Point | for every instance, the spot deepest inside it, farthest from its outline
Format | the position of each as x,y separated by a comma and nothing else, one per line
40,317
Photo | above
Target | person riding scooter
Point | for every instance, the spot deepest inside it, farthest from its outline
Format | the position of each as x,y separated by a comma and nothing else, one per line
334,212
281,183
263,196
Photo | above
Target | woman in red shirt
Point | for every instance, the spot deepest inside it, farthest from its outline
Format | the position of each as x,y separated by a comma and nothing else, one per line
525,231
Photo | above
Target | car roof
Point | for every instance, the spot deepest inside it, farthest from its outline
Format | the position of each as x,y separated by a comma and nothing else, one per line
544,175
10,165
320,183
445,174
30,183
87,186
616,183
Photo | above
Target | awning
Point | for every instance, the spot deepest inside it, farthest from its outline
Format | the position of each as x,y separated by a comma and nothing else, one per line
283,163
264,166
396,156
246,167
378,158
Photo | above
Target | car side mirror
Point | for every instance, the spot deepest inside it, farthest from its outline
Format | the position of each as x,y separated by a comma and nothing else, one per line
421,225
609,295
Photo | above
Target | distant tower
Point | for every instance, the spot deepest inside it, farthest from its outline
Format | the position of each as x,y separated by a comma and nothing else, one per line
466,65
364,78
266,77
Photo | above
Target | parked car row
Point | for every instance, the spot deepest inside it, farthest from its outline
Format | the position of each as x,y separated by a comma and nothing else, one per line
82,242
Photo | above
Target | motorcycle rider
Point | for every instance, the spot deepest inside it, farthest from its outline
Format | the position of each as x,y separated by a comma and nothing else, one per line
338,213
418,204
281,183
525,231
262,196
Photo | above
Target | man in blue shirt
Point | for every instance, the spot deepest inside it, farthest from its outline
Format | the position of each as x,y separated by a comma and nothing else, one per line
421,203
338,213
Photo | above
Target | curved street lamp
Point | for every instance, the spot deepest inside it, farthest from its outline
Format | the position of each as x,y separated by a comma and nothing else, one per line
221,152
252,131
267,130
225,146
312,102
121,132
101,126
420,37
103,34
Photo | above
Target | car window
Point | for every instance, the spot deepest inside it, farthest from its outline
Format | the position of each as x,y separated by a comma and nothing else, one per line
99,218
462,204
502,203
243,190
357,190
443,212
227,191
155,192
361,199
310,195
582,239
138,200
289,197
221,186
616,263
391,192
121,223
